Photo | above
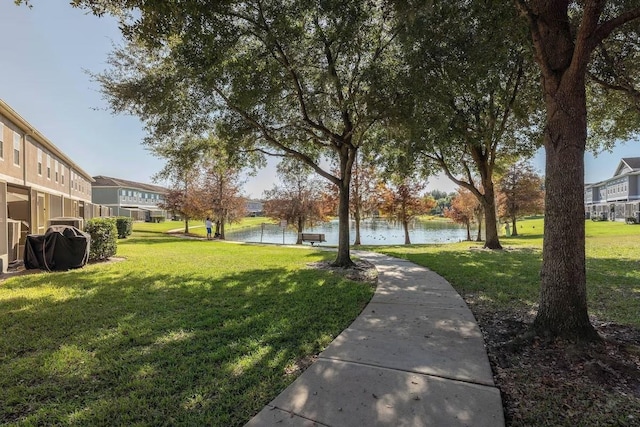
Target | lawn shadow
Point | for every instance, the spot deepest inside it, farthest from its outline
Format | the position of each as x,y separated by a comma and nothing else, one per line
154,348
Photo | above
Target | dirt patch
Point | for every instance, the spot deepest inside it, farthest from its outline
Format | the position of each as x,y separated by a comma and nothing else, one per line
558,382
361,271
301,365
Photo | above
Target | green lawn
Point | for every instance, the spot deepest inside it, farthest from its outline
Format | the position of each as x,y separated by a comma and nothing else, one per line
188,332
197,228
511,277
197,332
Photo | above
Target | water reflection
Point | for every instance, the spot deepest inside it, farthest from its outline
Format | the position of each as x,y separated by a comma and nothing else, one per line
372,232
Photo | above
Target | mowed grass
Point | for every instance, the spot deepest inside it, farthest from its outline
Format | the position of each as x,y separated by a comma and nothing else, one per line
197,228
511,278
179,332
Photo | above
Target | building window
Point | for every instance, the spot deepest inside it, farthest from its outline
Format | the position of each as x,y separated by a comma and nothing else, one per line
1,141
16,148
39,162
55,166
48,166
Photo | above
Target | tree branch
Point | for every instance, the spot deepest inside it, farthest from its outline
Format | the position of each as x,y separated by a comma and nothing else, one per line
604,29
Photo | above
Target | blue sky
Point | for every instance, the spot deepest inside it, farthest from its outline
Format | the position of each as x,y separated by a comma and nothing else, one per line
46,50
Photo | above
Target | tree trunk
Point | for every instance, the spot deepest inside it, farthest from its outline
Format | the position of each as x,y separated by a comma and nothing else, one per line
563,295
514,231
479,218
300,231
347,157
344,257
186,225
468,224
405,225
492,240
563,63
356,219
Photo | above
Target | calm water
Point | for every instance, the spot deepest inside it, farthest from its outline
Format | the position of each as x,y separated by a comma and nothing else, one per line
372,232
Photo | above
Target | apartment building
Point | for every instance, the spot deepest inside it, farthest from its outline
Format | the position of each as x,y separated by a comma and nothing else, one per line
38,183
617,198
137,200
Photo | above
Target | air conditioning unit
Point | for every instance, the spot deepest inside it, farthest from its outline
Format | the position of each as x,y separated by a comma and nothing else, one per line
75,222
13,237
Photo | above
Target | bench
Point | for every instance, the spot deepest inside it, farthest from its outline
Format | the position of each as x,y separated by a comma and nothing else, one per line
312,238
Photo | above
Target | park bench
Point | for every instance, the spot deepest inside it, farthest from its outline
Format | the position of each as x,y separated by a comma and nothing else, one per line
312,238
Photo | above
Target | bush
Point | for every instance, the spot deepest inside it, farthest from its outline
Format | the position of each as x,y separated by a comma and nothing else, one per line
104,238
124,224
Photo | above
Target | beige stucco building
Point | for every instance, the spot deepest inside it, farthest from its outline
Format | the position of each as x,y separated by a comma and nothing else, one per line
38,183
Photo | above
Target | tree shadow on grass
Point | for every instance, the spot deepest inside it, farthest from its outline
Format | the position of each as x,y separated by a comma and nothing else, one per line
157,349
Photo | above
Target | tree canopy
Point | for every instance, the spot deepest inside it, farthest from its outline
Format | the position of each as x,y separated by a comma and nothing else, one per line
289,78
471,95
312,79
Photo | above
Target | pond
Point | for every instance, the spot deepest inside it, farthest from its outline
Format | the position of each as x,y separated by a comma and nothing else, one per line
372,232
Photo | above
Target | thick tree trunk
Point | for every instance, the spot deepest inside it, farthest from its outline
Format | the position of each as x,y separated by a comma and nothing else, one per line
514,231
468,224
186,225
563,62
407,239
563,295
490,220
344,257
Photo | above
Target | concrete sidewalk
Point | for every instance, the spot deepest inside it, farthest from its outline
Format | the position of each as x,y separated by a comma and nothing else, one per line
414,357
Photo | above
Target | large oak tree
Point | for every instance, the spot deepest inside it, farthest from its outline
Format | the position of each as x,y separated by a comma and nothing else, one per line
565,34
472,95
289,78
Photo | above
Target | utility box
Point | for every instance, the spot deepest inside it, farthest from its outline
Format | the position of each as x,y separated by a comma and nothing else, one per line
72,221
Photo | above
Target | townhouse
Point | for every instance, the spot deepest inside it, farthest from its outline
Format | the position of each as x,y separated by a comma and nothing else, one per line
617,198
38,184
137,200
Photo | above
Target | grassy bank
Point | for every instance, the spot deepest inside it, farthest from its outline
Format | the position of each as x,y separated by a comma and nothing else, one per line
179,332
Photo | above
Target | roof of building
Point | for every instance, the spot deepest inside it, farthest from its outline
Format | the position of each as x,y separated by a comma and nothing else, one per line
106,181
632,162
29,130
627,165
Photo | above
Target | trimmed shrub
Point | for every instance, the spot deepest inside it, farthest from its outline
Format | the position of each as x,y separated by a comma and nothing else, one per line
104,238
124,224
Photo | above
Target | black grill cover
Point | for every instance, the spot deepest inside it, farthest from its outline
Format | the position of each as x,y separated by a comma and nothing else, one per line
62,247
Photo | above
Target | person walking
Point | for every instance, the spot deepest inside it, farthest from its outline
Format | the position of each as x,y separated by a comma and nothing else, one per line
209,226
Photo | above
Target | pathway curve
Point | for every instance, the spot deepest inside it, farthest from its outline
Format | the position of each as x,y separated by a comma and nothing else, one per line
414,357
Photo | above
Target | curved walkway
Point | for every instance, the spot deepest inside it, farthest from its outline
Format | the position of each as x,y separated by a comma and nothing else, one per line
414,357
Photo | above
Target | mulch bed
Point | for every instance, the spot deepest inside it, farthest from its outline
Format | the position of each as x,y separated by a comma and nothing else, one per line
555,382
